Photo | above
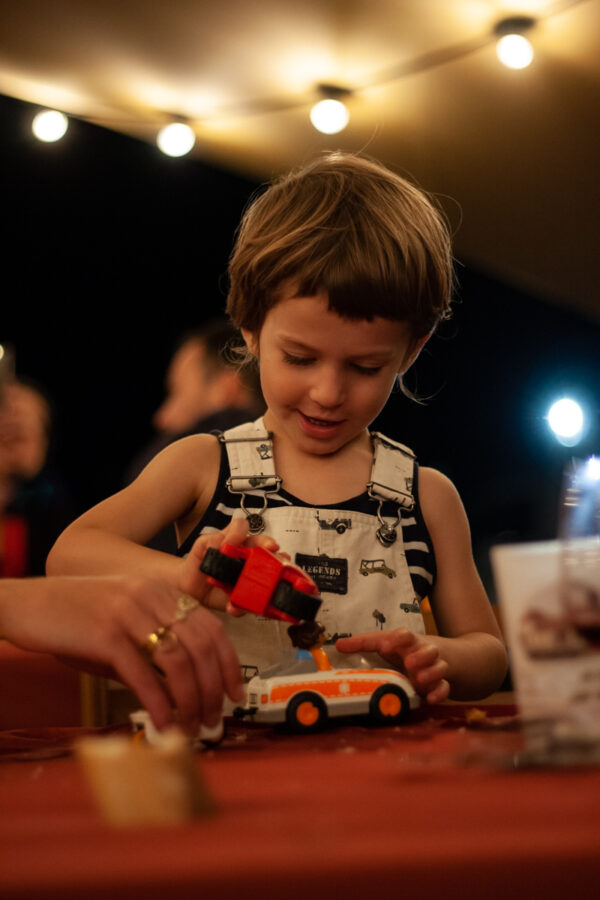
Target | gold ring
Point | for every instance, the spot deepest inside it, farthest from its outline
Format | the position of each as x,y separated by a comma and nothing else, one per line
185,605
161,639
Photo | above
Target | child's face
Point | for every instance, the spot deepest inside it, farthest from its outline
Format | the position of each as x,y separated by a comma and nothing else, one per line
325,378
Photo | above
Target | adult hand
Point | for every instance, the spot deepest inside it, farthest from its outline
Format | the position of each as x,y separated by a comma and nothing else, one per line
105,621
413,654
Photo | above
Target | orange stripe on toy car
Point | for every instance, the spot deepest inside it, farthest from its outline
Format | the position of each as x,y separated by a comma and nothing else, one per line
282,692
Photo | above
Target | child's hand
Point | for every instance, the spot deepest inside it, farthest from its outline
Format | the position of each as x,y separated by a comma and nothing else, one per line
193,581
410,653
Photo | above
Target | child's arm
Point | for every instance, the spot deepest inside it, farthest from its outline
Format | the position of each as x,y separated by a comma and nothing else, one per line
468,659
176,486
109,538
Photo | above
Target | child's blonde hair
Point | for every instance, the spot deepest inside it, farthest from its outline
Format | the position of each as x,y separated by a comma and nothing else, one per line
348,226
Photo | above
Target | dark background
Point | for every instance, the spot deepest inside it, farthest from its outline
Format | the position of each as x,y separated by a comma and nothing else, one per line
111,250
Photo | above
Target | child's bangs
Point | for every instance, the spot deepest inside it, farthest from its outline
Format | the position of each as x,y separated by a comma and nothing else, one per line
367,280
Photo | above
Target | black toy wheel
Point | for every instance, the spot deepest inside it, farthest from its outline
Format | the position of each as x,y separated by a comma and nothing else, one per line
294,602
221,567
306,712
389,705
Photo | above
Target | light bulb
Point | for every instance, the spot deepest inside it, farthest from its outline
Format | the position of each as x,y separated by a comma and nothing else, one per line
329,116
566,419
176,139
514,51
49,125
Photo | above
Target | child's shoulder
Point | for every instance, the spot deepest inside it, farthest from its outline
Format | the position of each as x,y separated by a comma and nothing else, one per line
186,459
183,476
194,446
439,499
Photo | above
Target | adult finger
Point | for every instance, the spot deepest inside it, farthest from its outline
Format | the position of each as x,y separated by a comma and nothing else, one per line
216,665
159,644
181,680
145,683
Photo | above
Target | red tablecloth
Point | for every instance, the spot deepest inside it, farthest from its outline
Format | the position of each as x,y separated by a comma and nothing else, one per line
432,809
36,688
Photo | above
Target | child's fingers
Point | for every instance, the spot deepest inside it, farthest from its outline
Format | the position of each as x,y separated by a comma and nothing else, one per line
265,541
237,533
357,643
427,677
424,655
439,693
400,642
385,643
193,581
234,611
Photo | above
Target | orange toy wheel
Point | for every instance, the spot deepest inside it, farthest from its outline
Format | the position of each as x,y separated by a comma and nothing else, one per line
389,705
306,711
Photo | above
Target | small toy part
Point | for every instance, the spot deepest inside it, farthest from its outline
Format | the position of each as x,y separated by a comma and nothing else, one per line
305,699
257,581
143,725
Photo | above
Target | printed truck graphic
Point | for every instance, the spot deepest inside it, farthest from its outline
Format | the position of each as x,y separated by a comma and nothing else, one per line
374,566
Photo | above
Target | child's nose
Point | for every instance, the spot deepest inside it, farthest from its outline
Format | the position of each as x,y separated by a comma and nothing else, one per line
328,388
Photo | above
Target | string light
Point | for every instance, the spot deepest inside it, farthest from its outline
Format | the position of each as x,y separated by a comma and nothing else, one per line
176,139
49,125
330,115
513,49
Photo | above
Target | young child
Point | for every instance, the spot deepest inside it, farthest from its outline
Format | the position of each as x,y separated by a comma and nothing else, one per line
339,275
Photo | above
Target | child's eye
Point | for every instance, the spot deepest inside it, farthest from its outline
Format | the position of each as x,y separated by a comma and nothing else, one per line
297,360
367,370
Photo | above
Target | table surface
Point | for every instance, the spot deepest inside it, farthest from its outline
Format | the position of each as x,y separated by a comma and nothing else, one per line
440,804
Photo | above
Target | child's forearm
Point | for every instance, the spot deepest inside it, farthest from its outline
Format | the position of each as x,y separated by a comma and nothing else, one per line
87,550
477,664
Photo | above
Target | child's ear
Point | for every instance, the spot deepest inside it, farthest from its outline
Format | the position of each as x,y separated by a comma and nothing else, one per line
413,351
251,339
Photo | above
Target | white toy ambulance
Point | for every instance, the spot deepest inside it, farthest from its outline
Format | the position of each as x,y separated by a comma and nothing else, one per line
305,698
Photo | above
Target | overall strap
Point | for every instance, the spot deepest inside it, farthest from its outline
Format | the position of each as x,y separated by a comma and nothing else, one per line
392,473
251,466
392,478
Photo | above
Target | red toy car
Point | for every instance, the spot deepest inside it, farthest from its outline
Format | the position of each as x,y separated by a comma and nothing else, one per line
257,581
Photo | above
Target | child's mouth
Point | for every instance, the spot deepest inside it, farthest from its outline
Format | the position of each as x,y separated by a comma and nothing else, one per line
324,422
314,425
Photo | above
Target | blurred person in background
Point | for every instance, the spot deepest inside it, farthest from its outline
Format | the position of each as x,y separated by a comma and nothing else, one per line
34,505
205,393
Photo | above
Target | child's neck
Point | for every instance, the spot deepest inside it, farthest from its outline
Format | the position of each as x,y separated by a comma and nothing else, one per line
324,479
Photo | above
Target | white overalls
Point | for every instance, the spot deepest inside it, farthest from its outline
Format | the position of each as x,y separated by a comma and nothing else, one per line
364,578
